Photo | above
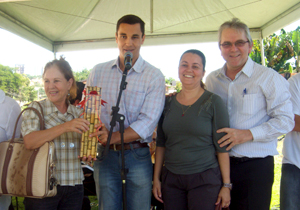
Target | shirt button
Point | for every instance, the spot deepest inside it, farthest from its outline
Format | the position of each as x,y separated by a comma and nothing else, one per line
72,145
62,145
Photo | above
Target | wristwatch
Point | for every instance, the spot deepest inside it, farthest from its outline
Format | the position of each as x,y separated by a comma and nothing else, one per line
228,185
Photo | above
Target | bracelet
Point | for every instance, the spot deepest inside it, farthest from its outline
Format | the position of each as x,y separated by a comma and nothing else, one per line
228,185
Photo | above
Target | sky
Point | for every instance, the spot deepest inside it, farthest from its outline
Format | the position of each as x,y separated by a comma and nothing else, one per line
16,50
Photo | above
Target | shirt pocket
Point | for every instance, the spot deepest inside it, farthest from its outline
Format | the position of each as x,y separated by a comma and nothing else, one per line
252,103
134,101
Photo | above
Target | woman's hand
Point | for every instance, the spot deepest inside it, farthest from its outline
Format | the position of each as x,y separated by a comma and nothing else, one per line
224,197
157,190
88,160
77,125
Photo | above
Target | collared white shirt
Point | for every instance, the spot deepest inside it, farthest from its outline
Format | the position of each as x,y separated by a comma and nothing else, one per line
142,101
291,144
257,99
10,110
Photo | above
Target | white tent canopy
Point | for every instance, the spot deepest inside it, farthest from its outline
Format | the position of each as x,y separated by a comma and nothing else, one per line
66,25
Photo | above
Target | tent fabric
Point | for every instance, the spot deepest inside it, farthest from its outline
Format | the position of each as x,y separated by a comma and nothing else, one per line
64,25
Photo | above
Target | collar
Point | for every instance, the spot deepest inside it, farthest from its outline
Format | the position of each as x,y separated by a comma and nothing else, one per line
70,110
247,69
137,67
2,96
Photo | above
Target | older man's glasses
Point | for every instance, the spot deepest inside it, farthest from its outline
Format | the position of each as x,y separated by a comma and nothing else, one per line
239,43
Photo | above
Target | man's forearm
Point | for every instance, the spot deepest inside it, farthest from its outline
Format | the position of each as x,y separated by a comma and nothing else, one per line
129,136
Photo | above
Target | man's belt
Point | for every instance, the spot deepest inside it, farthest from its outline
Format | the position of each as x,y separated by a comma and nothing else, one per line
135,145
237,160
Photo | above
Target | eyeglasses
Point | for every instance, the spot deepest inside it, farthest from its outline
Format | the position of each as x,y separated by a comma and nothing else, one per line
239,43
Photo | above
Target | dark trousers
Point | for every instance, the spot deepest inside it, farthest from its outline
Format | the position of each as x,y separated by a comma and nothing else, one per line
193,192
252,181
290,187
67,198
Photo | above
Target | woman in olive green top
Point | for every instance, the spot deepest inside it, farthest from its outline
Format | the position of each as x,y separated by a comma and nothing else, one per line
187,144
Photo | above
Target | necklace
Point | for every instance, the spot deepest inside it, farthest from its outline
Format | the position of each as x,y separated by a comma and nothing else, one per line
184,111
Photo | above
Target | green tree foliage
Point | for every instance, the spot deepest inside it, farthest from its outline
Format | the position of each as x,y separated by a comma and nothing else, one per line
169,80
82,75
178,86
296,47
16,85
34,76
278,49
255,54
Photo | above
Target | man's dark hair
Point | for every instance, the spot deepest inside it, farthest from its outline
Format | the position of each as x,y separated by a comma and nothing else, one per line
80,88
131,19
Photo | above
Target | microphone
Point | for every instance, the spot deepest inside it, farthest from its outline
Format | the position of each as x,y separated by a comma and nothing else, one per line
128,60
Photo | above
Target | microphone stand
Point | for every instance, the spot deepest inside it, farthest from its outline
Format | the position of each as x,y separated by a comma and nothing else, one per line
116,117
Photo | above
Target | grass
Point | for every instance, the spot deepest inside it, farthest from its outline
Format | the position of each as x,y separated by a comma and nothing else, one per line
93,199
94,202
275,202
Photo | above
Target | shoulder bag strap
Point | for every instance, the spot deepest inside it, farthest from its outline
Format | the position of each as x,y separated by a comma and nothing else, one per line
9,150
41,119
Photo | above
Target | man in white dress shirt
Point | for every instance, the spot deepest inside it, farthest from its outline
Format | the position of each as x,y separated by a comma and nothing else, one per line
259,107
10,110
290,172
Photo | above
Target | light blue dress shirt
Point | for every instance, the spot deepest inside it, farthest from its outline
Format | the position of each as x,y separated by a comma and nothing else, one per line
142,101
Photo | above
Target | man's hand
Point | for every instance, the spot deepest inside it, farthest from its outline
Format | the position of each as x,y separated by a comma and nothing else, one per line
234,137
102,133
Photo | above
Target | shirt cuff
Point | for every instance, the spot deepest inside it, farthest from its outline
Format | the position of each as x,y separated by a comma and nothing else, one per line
139,130
257,133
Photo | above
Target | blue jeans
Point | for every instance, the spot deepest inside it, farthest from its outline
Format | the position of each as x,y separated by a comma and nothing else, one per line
67,198
290,187
5,201
138,180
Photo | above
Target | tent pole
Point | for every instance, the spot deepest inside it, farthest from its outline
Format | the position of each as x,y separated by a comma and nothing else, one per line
54,51
262,51
151,16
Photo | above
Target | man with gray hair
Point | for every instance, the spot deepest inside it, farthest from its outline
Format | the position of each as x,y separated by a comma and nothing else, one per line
259,107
